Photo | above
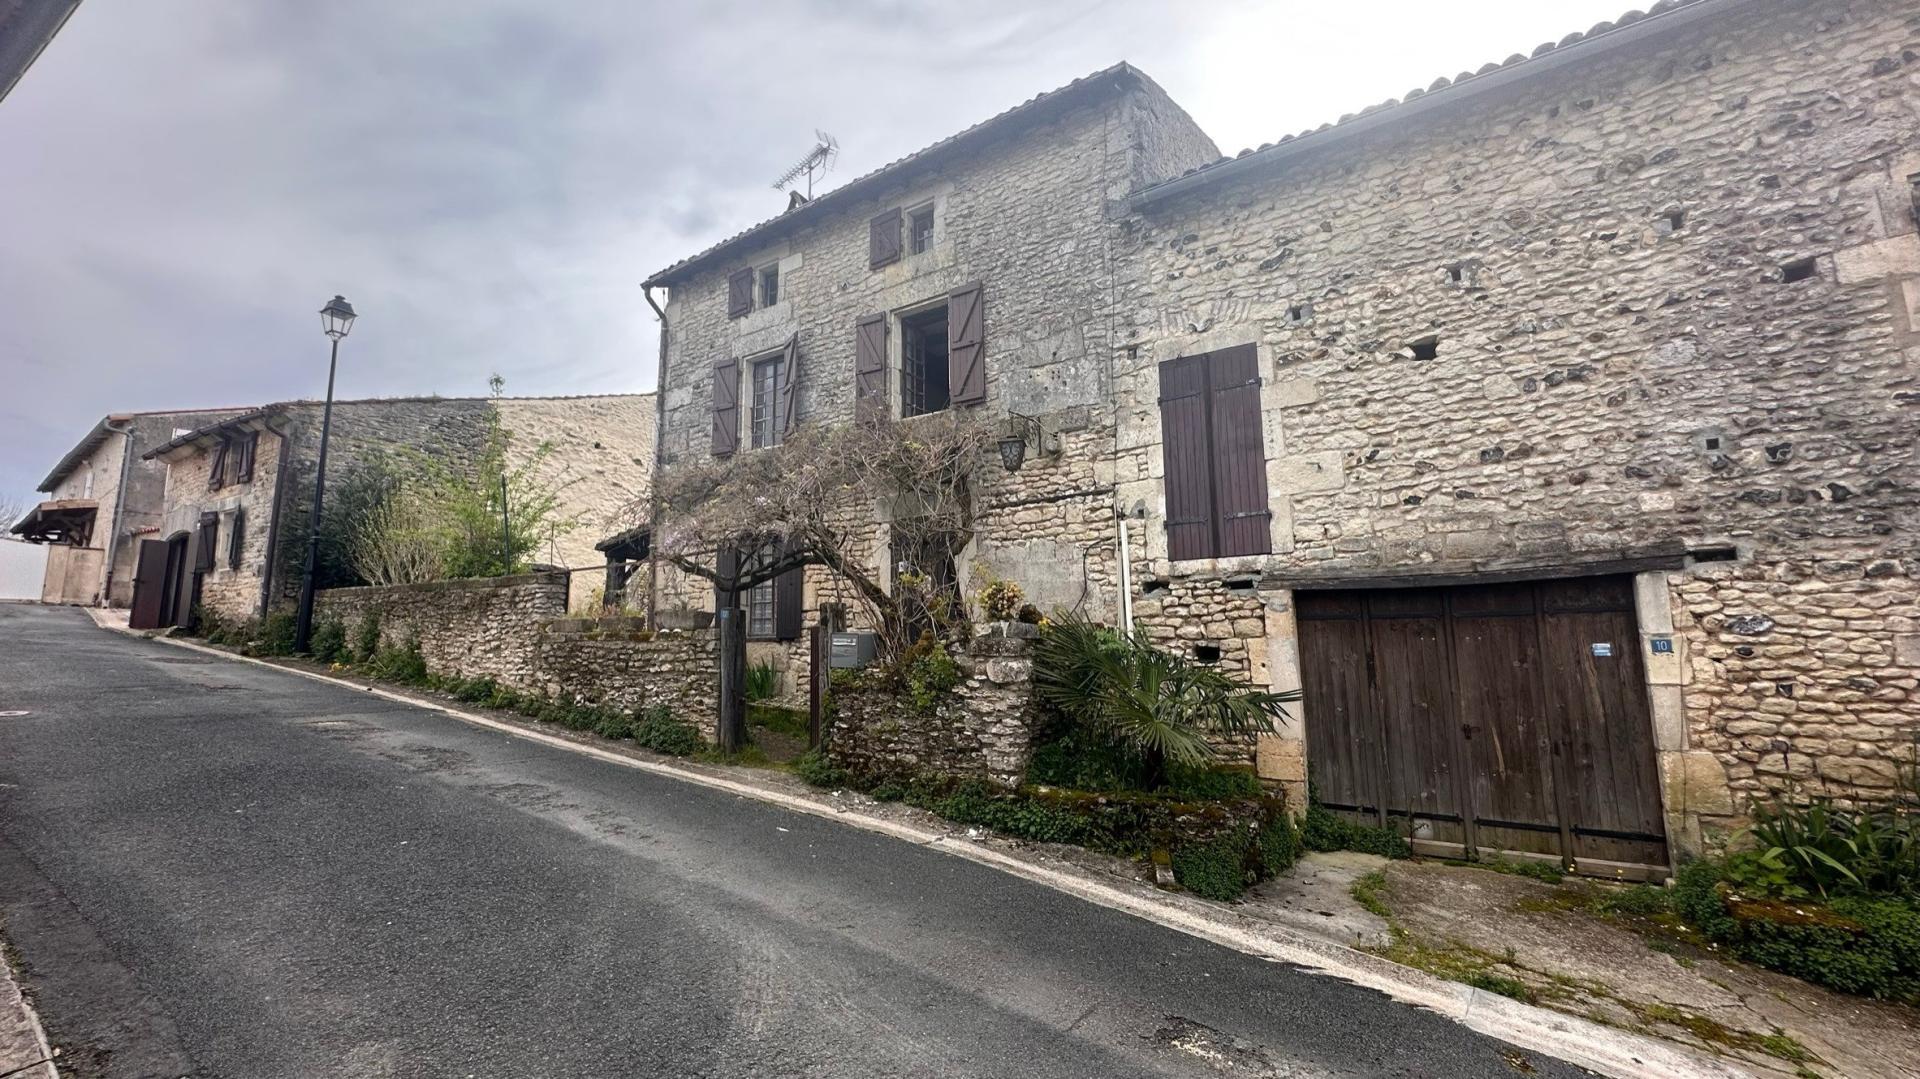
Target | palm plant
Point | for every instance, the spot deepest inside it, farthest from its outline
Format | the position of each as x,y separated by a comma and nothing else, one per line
1162,708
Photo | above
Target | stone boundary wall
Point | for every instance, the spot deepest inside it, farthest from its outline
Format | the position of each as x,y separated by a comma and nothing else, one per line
483,627
983,730
616,661
515,631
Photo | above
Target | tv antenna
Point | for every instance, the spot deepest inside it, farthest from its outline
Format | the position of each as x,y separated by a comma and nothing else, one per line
819,159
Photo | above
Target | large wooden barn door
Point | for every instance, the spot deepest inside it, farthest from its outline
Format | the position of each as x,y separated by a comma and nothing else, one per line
1505,718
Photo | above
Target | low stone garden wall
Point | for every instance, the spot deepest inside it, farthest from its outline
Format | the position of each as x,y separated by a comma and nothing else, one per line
983,728
615,661
515,630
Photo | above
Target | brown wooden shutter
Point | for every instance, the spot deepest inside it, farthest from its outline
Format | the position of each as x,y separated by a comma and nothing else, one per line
789,598
739,293
883,239
1187,451
237,541
204,543
216,474
1239,453
726,408
247,445
789,385
726,566
870,368
967,346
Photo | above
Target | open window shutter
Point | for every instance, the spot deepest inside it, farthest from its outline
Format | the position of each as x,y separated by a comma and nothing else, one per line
243,457
726,566
1187,448
739,293
788,596
883,239
204,544
216,475
967,346
726,408
790,384
1239,453
870,368
237,540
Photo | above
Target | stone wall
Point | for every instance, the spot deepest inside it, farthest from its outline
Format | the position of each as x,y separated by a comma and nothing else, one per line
232,592
984,729
485,627
515,630
616,661
1624,364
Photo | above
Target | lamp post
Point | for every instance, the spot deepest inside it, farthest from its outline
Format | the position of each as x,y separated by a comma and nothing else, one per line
335,320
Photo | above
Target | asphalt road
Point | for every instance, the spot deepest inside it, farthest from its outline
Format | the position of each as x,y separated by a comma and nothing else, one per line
210,868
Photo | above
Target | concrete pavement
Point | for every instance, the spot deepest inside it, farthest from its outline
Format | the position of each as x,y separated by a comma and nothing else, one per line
218,869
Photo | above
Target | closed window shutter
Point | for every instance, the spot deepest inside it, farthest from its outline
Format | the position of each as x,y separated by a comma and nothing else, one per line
1187,450
1239,454
789,385
870,368
726,408
967,346
883,239
216,474
237,541
788,597
739,293
726,566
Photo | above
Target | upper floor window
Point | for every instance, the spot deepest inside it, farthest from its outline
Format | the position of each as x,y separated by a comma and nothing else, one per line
770,285
924,383
233,460
1216,460
769,404
920,229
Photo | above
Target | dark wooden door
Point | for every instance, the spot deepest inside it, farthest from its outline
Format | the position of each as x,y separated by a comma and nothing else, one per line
1497,718
149,585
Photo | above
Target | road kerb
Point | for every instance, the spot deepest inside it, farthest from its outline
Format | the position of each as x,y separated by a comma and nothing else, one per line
25,1052
1583,1042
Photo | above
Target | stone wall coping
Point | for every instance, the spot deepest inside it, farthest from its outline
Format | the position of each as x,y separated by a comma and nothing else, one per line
456,584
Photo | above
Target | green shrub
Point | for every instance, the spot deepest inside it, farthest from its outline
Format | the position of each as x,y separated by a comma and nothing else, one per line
1216,868
660,731
815,769
1160,707
787,721
1638,901
614,723
1823,848
1218,784
1324,830
1081,759
404,664
476,690
928,674
1279,844
276,634
329,643
763,682
366,639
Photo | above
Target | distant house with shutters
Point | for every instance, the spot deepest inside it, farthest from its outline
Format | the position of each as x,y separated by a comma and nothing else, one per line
1553,427
231,537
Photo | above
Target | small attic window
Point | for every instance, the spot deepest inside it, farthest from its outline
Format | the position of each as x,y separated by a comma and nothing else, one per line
1457,273
1427,348
1797,270
1206,653
1299,313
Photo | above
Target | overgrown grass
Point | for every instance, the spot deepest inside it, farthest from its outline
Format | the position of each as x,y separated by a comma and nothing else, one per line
1323,830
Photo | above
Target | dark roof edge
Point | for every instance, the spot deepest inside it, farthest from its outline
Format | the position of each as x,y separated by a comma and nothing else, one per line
860,186
1533,67
198,433
87,444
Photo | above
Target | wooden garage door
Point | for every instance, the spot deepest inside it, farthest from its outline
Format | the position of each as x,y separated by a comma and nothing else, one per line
1498,718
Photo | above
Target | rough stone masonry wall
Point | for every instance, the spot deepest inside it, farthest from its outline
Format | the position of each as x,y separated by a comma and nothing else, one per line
983,730
1620,366
515,631
1028,218
487,627
229,591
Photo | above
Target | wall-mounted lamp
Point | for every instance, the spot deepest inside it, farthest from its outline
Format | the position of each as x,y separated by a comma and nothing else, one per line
1022,429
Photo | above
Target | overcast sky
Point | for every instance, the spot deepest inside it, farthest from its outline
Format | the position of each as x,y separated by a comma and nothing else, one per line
183,183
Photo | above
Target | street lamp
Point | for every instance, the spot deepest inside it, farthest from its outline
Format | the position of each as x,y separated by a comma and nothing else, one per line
335,320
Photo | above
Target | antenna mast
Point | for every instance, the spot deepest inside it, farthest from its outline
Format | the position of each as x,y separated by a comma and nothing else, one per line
818,160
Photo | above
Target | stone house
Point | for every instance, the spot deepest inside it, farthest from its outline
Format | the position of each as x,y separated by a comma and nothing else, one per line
1552,428
102,496
973,275
238,491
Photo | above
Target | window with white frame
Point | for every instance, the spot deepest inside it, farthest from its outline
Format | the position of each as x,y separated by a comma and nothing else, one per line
920,229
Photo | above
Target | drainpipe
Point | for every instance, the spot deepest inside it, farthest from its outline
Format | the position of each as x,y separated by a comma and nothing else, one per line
119,506
273,523
1126,575
653,477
